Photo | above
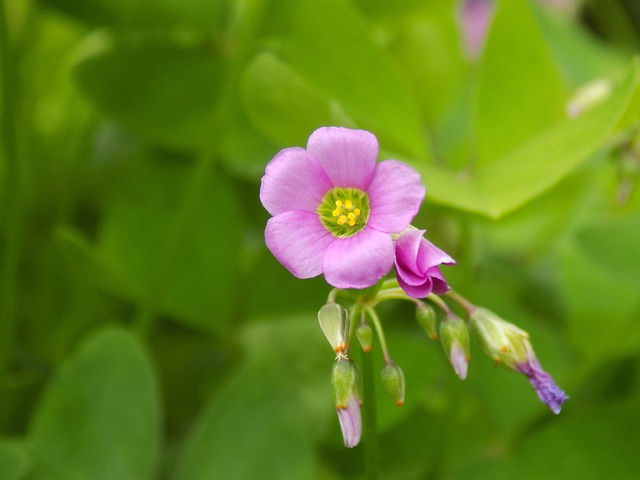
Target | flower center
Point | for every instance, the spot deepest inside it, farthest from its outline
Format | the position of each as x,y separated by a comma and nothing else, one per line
344,211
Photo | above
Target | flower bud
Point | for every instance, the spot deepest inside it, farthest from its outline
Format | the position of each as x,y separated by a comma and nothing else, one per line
346,381
510,346
426,316
351,423
455,341
501,340
364,333
393,381
334,322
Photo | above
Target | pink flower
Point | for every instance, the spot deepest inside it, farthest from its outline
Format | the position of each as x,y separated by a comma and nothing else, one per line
417,261
334,208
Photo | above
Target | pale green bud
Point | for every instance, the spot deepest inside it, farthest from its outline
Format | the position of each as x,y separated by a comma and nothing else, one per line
393,381
346,382
455,341
501,340
426,316
365,336
334,322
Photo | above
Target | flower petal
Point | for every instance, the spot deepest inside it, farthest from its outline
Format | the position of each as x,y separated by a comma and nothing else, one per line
395,195
430,256
348,156
420,290
350,423
358,261
293,180
298,241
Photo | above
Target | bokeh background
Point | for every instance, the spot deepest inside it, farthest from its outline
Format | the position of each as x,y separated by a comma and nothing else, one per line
147,333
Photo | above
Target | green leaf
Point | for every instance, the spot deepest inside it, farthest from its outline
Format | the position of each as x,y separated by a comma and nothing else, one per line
99,417
595,443
14,460
202,14
254,426
284,106
164,90
520,93
333,48
537,165
614,245
182,256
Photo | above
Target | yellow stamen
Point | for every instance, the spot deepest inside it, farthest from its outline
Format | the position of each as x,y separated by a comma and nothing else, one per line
356,211
352,222
336,212
338,203
351,216
342,220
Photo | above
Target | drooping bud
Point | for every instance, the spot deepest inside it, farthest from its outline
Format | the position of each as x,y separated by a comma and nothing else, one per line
455,341
426,316
334,322
365,336
510,346
346,381
393,381
501,340
351,423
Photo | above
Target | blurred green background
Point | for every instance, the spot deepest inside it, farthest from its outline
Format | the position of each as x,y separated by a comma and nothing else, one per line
147,333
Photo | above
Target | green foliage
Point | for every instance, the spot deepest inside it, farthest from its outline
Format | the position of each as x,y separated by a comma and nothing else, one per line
146,331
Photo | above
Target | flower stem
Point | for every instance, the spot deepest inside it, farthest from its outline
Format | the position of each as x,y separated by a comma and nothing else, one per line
11,206
379,330
371,443
463,302
440,303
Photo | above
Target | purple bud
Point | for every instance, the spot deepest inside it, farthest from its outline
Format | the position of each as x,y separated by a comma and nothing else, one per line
351,423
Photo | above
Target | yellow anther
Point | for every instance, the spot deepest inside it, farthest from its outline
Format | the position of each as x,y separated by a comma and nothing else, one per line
342,220
336,212
352,222
348,204
338,203
356,211
351,216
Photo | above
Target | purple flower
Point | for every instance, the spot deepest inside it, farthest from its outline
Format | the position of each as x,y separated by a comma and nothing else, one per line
334,208
542,382
351,423
417,262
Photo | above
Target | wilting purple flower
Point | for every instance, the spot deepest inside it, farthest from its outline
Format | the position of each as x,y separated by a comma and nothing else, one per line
351,423
417,261
334,207
542,382
509,346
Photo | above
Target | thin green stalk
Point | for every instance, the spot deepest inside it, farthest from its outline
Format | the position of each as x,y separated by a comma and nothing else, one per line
12,204
370,429
378,326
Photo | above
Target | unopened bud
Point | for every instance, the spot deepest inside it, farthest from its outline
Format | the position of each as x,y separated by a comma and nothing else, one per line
346,380
426,316
334,322
393,381
501,340
455,341
365,336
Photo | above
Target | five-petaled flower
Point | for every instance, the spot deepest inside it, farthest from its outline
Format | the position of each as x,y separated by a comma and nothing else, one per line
334,207
417,261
